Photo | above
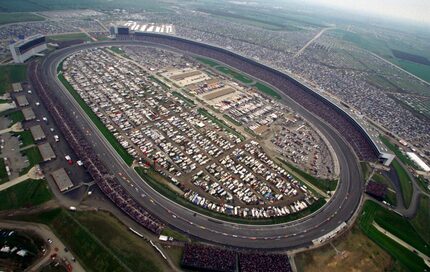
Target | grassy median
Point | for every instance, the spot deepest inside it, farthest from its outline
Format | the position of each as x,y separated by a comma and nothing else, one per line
322,184
405,182
220,123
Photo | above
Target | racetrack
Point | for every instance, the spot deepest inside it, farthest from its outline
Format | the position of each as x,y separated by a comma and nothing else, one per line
289,235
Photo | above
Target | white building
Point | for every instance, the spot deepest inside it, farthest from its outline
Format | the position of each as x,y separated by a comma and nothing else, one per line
24,49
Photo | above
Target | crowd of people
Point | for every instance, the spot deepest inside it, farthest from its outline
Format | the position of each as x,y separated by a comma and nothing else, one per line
107,183
261,262
344,125
209,258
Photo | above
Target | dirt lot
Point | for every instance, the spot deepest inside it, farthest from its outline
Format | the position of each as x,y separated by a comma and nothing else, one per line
355,252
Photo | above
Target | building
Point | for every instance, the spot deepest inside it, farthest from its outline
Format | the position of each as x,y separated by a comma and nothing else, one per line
62,179
37,133
22,101
22,50
17,87
46,152
28,114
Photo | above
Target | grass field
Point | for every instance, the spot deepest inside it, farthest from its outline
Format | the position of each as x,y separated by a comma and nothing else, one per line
397,226
220,123
69,37
390,197
356,253
16,17
3,173
167,192
176,235
383,49
26,138
237,123
14,117
26,194
187,100
236,75
10,74
34,157
100,242
405,182
99,124
267,90
421,220
323,184
208,62
118,51
43,5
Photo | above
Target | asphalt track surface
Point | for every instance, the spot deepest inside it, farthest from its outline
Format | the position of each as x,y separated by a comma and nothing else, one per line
299,233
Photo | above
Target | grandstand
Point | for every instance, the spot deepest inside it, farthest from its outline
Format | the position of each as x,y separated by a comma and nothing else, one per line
22,50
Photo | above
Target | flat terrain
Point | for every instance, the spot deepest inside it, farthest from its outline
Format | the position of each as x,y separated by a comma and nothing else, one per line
351,252
25,194
68,37
100,241
7,18
10,74
398,226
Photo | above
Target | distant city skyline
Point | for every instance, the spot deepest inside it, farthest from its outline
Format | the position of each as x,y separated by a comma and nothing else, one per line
414,10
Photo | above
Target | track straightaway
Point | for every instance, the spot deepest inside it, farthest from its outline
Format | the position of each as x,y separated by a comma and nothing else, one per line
298,233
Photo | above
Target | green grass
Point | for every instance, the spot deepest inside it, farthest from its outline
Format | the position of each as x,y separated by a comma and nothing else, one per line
151,178
220,123
187,100
96,120
34,157
397,226
15,17
365,169
405,182
402,157
176,235
323,184
159,82
99,241
420,70
390,197
25,194
26,138
118,51
207,62
267,90
228,117
10,74
3,173
69,37
421,220
423,183
45,5
14,117
236,75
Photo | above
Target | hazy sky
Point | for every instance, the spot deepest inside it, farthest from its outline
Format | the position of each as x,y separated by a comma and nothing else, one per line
417,10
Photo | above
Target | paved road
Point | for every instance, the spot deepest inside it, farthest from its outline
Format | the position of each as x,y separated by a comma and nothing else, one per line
294,234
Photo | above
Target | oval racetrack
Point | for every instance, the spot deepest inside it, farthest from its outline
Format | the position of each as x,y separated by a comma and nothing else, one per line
299,233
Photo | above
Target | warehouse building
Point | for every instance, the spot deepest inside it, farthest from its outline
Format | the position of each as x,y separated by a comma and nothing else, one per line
37,133
62,179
